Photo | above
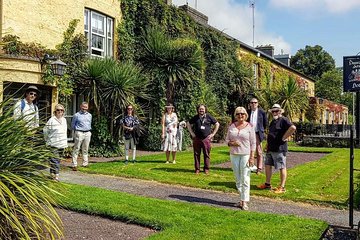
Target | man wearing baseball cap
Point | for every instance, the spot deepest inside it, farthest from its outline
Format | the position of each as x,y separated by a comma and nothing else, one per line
27,109
280,129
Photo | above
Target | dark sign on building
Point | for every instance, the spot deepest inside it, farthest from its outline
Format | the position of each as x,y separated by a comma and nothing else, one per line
351,71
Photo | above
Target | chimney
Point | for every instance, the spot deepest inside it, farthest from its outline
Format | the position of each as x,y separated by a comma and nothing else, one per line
284,58
267,49
195,14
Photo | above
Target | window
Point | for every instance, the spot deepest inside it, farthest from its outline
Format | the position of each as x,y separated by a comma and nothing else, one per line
99,31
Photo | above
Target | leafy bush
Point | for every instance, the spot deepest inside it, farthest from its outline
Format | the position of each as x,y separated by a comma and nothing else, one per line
152,141
26,197
224,125
102,144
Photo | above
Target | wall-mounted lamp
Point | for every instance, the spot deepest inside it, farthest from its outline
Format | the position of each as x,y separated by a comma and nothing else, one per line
57,66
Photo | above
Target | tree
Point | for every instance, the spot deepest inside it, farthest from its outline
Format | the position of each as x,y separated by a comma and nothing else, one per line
293,99
175,61
312,61
122,83
26,196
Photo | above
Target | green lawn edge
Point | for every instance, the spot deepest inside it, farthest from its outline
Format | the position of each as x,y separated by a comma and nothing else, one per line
178,220
322,182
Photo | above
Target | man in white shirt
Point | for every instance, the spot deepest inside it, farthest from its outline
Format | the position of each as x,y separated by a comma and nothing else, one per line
258,120
26,108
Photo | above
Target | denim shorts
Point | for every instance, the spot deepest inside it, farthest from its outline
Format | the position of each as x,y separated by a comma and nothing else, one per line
276,159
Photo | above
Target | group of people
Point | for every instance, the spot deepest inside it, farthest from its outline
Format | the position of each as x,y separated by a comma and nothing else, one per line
55,130
244,137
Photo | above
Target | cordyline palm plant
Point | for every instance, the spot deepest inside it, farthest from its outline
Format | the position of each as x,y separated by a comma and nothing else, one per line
91,74
122,82
26,198
176,61
293,99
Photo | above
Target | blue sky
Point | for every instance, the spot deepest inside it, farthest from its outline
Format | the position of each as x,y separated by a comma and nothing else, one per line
288,25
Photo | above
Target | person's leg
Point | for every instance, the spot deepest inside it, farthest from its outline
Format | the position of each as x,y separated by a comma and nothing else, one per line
244,179
174,156
235,163
206,144
85,148
133,147
76,148
269,162
283,176
197,151
127,146
167,156
259,154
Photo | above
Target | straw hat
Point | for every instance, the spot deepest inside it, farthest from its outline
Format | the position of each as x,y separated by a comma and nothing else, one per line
276,107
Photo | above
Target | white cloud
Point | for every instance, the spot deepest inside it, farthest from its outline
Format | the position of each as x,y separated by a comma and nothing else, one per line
327,6
235,19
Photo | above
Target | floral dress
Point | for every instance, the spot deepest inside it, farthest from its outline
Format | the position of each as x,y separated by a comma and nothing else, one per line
170,141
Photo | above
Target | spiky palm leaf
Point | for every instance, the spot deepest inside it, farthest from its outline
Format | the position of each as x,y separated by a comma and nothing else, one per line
176,61
293,99
121,83
26,198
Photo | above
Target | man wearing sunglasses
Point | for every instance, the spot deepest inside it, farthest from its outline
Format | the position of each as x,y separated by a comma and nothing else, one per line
27,109
280,129
258,119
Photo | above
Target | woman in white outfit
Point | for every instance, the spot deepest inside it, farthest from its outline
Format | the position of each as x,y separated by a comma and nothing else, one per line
169,123
55,133
241,139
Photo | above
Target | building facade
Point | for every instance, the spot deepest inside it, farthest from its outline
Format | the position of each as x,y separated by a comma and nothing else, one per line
44,22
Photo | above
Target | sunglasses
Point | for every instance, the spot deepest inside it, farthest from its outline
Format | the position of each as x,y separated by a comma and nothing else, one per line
129,109
253,102
32,94
274,111
60,110
242,114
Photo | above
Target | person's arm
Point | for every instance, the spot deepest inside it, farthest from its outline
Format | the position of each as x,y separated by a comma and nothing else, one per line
73,122
265,120
217,124
188,125
17,110
163,127
252,140
289,132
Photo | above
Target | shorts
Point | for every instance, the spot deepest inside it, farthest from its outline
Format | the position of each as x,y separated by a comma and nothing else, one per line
276,159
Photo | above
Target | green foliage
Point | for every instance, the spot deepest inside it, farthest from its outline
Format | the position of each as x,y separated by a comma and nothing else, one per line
102,142
292,98
13,46
223,128
330,87
183,220
312,61
26,195
222,70
152,140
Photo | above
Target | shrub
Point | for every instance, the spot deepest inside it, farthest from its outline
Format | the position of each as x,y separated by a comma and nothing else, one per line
152,140
224,125
26,197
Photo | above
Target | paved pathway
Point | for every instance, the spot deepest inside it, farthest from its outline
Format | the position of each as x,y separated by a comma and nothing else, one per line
214,198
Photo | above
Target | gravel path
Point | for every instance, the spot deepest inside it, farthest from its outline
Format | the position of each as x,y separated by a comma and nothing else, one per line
101,228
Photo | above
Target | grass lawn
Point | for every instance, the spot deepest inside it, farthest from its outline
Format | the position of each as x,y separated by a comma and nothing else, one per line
323,182
178,220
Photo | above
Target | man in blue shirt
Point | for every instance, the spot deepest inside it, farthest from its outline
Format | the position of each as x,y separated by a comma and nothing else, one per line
81,124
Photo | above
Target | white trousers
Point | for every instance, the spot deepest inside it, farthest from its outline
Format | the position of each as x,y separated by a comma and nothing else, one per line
242,175
82,140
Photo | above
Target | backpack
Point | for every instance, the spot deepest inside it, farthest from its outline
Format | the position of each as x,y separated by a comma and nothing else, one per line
23,106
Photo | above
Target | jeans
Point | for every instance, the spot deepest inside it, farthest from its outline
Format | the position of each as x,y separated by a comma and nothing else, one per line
55,161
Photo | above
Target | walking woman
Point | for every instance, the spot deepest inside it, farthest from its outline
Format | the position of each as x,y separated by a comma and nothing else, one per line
129,123
241,139
55,134
169,123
